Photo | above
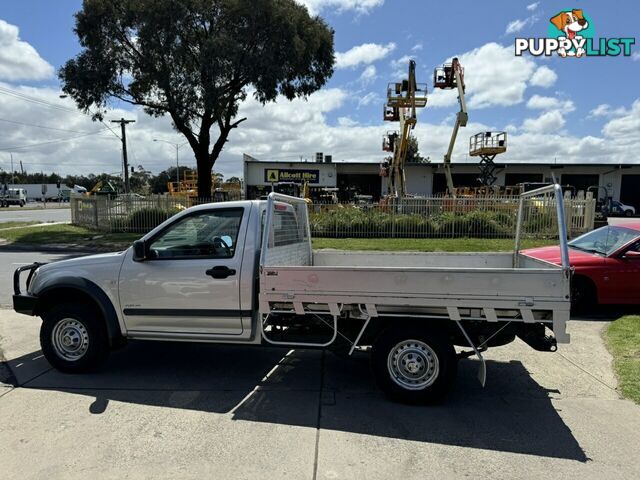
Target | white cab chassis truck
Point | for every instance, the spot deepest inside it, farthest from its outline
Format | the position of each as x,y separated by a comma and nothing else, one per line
245,273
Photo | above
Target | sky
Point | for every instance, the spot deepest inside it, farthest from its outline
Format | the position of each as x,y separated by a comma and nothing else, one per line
566,110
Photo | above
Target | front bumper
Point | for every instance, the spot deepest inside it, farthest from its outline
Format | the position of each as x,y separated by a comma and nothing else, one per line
24,303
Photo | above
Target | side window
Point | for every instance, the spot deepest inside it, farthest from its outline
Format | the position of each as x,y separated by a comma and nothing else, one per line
209,234
635,247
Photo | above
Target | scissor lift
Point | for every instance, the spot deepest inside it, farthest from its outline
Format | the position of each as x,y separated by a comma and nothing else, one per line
487,145
402,100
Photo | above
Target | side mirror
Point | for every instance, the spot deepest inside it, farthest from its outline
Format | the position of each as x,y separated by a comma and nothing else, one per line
631,255
139,251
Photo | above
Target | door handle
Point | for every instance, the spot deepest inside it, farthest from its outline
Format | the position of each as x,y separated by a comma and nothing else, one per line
220,272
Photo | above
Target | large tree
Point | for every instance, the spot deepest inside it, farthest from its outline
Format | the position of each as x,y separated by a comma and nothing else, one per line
196,60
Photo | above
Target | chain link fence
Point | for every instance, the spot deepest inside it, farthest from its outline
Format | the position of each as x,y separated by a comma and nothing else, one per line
433,217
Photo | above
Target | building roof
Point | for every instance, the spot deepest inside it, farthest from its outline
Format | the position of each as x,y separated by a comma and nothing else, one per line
455,164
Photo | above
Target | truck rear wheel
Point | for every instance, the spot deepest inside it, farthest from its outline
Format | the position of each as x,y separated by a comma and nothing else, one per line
414,366
74,338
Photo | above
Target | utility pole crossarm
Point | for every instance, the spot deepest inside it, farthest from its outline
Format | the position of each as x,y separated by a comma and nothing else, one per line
125,159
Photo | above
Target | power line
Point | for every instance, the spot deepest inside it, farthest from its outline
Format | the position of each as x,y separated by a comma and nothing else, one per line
44,103
42,126
60,140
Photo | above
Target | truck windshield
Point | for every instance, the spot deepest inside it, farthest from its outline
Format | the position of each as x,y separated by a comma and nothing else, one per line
605,240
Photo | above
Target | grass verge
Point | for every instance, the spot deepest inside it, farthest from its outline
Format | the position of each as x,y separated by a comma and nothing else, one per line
5,225
64,234
623,340
428,244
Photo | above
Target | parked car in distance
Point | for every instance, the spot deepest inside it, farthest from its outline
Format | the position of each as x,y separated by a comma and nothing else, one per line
606,263
620,209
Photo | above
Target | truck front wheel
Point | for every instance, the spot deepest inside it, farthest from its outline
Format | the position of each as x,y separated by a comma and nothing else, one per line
414,366
74,338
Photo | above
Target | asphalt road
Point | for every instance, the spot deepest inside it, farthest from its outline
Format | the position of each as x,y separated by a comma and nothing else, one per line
12,260
164,410
17,214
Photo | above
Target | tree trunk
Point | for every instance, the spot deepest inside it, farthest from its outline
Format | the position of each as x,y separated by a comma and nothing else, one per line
204,175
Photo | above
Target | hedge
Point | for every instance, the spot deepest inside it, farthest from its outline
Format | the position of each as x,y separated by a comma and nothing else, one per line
372,223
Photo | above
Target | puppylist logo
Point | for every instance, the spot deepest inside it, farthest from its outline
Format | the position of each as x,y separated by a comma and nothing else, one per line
570,34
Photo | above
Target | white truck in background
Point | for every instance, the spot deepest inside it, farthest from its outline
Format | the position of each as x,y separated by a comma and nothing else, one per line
13,196
48,191
245,273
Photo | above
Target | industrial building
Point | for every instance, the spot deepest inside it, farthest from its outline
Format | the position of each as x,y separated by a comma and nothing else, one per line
621,182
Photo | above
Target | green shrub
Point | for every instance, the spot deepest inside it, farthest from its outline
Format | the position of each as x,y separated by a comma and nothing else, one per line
356,222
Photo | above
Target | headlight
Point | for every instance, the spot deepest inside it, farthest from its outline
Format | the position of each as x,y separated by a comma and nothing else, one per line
32,280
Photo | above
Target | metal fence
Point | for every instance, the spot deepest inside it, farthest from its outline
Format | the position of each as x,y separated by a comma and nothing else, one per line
125,213
445,217
434,217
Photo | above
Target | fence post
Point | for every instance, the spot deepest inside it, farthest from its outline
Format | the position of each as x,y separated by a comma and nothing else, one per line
94,201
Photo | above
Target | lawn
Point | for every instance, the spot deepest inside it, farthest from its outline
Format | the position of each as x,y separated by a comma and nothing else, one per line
4,225
623,340
62,234
428,244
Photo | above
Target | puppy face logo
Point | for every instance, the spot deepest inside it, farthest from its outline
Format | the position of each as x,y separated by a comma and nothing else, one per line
570,23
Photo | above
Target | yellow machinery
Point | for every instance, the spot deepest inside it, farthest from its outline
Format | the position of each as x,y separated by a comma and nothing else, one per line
188,187
402,100
446,77
102,188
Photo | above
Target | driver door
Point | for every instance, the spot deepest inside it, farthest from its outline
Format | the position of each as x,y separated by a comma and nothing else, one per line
190,281
623,276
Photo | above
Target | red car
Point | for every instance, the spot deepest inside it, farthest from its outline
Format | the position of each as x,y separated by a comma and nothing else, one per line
606,263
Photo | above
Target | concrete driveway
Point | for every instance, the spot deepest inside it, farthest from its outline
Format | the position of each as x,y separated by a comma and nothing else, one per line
161,410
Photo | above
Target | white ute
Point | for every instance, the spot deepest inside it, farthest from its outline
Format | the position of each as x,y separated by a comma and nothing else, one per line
245,273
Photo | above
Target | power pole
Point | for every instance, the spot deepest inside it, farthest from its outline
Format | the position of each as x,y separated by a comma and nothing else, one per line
125,160
13,179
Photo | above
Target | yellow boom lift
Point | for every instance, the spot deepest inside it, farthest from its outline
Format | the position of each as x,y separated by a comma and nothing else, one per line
402,100
447,77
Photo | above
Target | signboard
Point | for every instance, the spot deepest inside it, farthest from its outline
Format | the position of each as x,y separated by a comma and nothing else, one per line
275,175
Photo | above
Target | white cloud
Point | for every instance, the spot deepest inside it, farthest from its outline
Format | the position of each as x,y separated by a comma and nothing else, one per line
538,102
487,84
347,122
606,110
635,56
532,6
368,75
547,122
363,54
543,77
515,26
400,66
18,59
625,130
359,6
417,47
368,99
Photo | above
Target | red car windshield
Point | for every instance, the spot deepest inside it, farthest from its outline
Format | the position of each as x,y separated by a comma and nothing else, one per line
605,240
